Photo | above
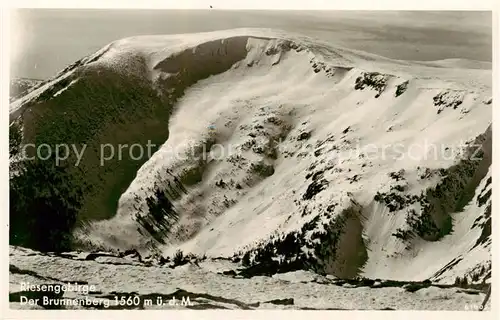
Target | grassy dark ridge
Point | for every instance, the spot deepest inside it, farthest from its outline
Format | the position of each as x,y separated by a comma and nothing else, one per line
102,107
107,106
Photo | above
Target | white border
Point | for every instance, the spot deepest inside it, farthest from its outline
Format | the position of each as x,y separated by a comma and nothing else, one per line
242,4
266,4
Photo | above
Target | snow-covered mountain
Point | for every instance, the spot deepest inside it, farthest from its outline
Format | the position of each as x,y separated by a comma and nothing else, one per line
291,153
22,86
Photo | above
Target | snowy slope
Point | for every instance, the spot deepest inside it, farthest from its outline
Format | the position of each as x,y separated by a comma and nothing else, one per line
310,133
21,86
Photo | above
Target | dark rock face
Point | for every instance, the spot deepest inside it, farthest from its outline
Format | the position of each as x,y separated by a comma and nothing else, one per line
448,99
400,89
374,80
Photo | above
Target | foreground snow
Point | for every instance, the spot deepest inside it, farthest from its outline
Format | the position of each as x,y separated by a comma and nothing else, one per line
125,277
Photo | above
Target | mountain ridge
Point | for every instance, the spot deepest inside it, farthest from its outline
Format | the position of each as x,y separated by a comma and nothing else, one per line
285,91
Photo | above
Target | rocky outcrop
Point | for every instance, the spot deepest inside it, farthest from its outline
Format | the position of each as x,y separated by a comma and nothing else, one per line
401,88
373,80
448,99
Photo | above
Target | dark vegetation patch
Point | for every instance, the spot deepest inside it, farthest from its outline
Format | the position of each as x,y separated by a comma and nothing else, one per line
161,215
263,260
335,72
485,226
44,202
262,169
335,247
478,156
486,232
478,275
56,87
354,178
409,286
194,175
315,187
304,135
455,189
102,107
447,267
397,175
482,199
426,173
395,200
15,138
283,302
484,196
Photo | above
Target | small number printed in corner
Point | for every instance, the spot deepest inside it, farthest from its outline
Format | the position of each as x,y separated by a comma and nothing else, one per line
473,307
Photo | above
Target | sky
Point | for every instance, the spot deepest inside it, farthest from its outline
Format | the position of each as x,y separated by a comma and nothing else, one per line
44,41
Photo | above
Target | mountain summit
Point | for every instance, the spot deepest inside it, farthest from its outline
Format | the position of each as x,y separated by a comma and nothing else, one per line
278,150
